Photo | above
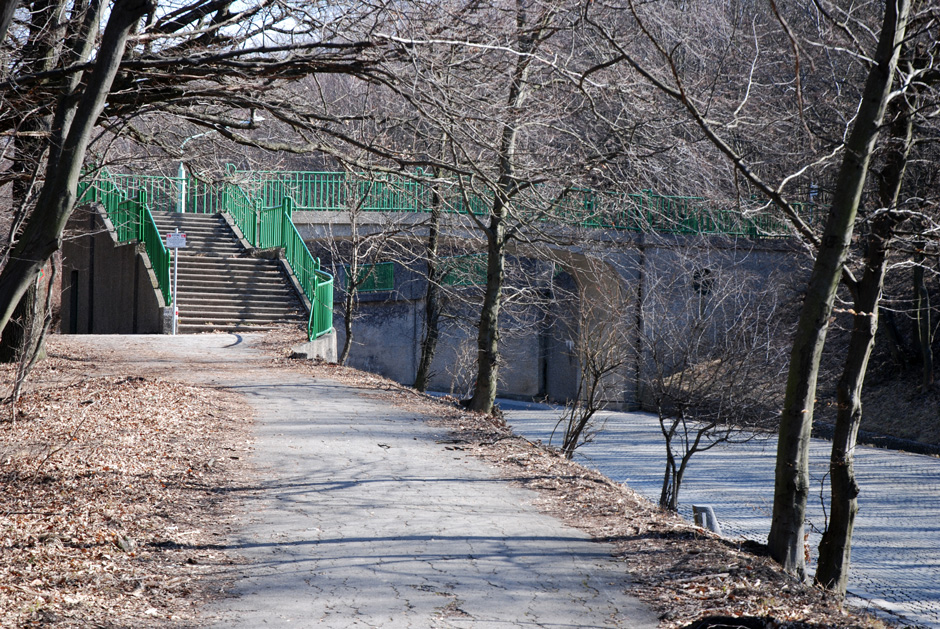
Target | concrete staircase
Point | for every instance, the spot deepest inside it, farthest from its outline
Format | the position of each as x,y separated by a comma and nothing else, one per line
220,287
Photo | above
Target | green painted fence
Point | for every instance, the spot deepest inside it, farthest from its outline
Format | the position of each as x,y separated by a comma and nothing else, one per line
129,198
273,227
132,220
171,194
466,270
644,211
372,277
262,204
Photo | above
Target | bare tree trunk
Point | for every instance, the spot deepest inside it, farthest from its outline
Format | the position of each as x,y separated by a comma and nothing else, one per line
528,38
677,477
44,52
665,496
42,233
349,305
484,393
675,472
579,413
7,9
835,549
791,487
836,546
36,327
349,298
922,336
432,300
28,153
21,337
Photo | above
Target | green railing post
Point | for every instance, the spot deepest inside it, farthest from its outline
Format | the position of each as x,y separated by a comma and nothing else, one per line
258,210
181,189
287,214
139,213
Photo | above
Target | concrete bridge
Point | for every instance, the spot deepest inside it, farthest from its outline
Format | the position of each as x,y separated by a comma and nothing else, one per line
576,277
624,264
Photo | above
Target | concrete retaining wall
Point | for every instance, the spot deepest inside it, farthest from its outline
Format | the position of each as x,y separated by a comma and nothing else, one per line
107,288
538,360
322,348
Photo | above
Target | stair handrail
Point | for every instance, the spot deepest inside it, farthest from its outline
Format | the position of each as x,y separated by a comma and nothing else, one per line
242,209
316,283
273,227
132,220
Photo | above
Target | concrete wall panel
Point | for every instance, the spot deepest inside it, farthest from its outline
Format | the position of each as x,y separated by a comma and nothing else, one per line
107,288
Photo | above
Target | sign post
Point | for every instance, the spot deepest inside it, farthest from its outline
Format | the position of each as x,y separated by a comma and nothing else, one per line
175,241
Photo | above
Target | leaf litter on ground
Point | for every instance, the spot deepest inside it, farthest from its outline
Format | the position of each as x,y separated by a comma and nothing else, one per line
119,491
115,492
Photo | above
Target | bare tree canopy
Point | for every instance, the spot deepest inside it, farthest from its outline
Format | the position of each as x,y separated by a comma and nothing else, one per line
507,109
80,72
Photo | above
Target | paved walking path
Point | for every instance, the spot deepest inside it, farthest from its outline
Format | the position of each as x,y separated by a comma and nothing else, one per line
896,548
366,520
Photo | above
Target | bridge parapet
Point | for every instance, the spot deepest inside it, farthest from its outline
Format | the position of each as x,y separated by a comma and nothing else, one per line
641,211
283,209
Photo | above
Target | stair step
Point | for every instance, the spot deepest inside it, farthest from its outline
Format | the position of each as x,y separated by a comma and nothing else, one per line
208,262
281,305
200,316
221,266
278,300
214,318
208,325
235,278
232,287
196,329
233,290
232,318
219,287
224,266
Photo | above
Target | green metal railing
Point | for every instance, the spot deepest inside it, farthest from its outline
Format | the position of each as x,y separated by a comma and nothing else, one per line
171,194
316,283
273,227
132,220
334,191
467,270
643,211
129,199
372,277
242,210
262,204
649,211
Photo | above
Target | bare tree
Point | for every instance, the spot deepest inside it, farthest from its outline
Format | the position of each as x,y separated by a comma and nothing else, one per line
502,144
666,69
882,227
603,348
712,357
32,327
206,62
75,117
432,297
360,252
